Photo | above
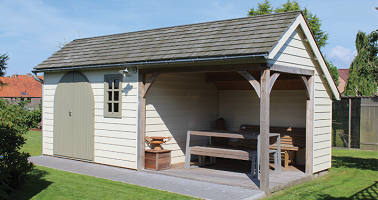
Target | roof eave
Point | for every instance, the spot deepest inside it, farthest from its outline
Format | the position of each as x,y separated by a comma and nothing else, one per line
159,62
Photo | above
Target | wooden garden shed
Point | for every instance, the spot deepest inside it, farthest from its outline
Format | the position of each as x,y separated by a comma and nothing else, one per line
103,95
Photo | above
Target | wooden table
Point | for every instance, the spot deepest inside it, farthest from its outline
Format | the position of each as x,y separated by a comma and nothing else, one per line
249,154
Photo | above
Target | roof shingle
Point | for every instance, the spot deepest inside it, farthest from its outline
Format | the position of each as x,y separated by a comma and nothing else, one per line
242,36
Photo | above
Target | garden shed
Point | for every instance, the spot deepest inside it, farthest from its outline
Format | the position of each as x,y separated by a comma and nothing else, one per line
103,95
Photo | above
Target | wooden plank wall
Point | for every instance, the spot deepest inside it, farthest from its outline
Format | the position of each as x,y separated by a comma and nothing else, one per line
287,107
322,123
115,138
51,81
177,103
296,52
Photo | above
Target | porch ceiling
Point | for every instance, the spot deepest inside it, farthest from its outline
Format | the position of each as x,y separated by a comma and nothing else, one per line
234,81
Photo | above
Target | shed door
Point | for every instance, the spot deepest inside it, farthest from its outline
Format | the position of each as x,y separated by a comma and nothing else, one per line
74,117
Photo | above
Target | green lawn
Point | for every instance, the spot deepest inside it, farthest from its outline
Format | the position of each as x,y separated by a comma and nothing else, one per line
48,183
354,175
33,143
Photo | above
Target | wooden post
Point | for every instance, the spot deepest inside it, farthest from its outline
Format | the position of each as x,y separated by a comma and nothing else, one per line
350,121
264,130
310,125
141,129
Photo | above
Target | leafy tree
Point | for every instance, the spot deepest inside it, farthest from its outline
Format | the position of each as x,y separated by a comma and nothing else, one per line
263,9
363,71
3,62
334,72
313,21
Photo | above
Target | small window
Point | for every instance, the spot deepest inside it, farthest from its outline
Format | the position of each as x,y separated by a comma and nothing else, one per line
113,96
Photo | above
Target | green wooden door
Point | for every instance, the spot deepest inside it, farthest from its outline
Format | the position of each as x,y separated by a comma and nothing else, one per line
74,117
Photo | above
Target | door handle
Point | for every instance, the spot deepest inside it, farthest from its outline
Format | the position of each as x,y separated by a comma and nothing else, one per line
70,113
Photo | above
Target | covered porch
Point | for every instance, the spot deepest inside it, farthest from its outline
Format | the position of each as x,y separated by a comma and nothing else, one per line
221,80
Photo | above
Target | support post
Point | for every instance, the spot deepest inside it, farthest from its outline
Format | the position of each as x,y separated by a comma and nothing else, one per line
310,125
264,130
350,122
141,129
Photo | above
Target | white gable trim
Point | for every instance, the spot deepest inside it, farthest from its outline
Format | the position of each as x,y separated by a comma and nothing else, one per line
300,21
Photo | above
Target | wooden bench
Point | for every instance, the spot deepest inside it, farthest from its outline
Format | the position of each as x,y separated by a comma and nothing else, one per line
292,139
227,151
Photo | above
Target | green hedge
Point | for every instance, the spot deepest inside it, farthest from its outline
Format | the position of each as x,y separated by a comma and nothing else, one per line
15,121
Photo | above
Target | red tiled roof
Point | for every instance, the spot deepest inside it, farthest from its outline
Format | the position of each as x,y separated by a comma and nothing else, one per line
344,73
21,85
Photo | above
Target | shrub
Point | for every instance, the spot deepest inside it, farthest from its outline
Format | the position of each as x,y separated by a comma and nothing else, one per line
14,164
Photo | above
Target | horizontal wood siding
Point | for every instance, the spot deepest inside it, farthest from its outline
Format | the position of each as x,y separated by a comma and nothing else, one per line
322,123
177,103
287,108
51,81
115,138
295,52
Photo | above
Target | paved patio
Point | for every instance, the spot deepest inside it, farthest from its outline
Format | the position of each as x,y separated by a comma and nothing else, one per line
151,179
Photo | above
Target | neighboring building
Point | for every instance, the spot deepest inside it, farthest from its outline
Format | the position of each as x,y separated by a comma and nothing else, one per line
184,78
20,88
343,77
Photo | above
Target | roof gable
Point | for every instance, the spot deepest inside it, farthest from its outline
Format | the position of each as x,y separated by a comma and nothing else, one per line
301,22
242,36
21,85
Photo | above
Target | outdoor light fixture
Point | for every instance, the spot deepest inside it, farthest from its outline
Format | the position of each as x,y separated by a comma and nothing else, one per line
129,71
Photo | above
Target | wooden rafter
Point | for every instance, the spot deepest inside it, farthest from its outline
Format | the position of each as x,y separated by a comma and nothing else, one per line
255,84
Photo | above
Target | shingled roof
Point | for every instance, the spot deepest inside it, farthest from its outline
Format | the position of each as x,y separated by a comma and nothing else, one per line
21,85
242,36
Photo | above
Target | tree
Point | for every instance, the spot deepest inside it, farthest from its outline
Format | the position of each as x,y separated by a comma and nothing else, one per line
363,71
3,62
313,21
334,72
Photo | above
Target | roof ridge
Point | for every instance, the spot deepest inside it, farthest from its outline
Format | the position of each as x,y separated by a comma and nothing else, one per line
183,25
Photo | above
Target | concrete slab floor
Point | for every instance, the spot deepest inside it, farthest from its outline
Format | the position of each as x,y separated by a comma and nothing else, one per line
195,188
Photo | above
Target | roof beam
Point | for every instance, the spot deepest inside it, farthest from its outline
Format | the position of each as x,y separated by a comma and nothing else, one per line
255,84
206,68
291,70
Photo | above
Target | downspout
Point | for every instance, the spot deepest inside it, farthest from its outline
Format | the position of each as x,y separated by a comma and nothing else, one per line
37,79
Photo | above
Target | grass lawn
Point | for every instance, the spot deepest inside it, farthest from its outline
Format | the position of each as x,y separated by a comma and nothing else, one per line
48,183
354,175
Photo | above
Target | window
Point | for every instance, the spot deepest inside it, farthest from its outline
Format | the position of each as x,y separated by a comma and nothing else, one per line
113,96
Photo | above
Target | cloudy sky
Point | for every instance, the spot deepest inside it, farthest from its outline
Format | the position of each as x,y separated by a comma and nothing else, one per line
31,29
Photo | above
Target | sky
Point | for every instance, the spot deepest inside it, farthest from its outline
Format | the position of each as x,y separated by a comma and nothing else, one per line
30,30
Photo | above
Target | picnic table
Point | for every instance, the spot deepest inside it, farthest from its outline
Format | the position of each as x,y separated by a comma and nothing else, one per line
232,152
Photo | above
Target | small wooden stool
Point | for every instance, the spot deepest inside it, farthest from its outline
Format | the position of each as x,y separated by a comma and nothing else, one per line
157,159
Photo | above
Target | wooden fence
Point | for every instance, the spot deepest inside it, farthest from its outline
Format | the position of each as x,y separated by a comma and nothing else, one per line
355,123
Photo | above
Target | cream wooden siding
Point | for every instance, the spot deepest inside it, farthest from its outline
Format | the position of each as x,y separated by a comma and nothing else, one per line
177,103
287,108
295,52
51,81
322,123
115,138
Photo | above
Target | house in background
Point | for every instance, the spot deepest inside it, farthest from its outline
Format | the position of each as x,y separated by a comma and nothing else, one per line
343,77
263,70
20,88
